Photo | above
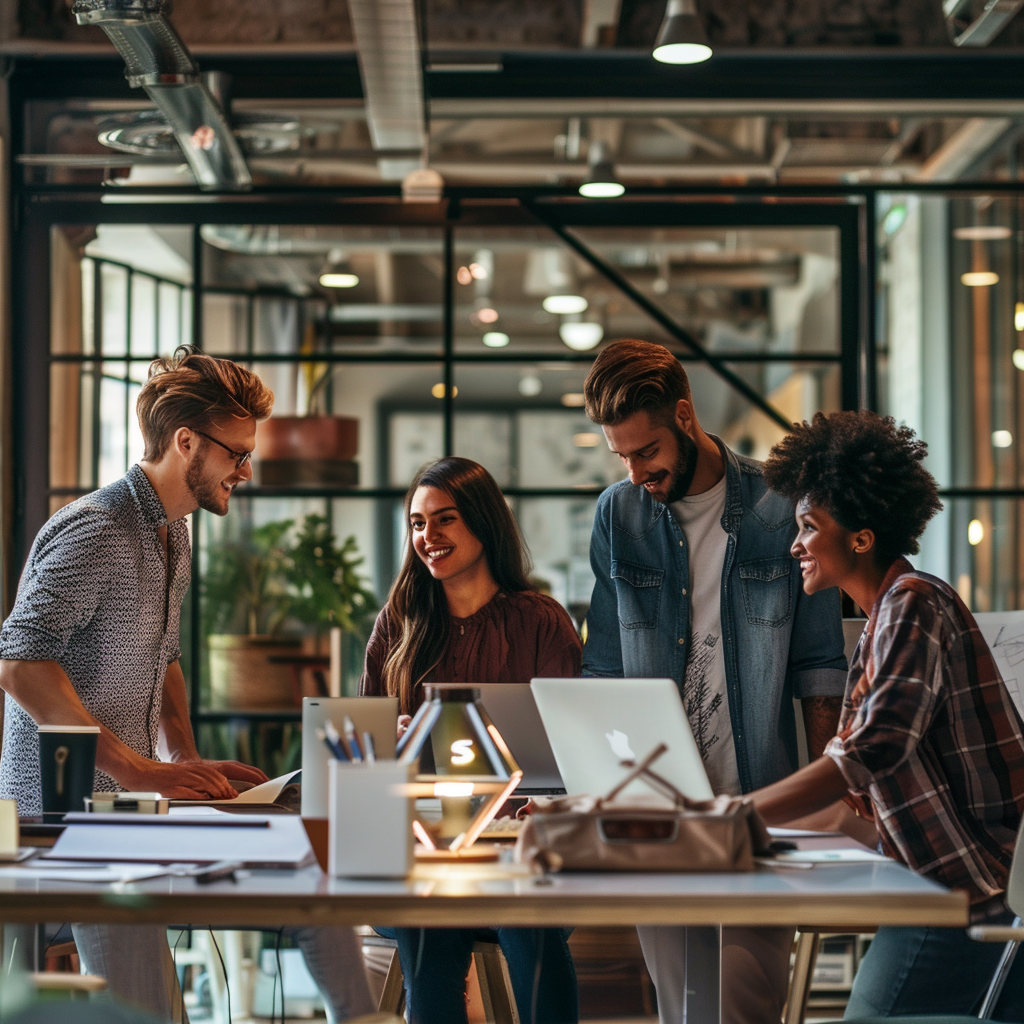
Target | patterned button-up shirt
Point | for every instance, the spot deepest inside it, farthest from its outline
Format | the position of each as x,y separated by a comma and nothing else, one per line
930,736
94,598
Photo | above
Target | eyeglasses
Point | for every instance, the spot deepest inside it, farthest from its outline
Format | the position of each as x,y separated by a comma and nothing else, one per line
241,458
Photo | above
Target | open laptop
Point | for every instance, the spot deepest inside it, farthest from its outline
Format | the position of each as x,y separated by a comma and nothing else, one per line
514,712
376,715
594,724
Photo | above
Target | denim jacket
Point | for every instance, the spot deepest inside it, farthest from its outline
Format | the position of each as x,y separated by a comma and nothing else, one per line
779,643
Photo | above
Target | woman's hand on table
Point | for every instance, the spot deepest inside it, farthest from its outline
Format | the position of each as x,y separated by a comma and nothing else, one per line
235,771
404,721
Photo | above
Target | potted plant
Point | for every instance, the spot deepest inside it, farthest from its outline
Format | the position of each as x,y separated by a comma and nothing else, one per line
327,591
261,592
245,604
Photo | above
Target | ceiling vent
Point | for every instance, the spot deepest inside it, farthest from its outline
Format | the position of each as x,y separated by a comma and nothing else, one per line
157,60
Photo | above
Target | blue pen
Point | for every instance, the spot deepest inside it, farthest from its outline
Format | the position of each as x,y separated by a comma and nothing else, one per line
333,741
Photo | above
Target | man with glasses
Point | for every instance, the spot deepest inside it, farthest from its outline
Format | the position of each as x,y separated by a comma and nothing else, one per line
93,639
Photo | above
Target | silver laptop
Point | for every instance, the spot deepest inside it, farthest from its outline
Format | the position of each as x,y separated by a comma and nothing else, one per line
594,724
376,715
514,712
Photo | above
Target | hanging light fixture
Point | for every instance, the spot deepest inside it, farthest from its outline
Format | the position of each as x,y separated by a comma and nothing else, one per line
580,335
682,39
337,272
601,182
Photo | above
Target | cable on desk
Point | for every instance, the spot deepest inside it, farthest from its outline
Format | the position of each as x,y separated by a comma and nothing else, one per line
273,991
224,971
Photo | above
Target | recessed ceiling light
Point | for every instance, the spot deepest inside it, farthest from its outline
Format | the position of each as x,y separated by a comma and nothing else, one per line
495,339
979,278
564,304
580,336
982,233
530,386
574,400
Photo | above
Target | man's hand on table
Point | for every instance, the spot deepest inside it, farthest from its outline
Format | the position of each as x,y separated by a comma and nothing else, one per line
185,780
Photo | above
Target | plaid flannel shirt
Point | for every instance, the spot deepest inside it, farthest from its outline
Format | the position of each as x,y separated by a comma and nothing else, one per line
929,735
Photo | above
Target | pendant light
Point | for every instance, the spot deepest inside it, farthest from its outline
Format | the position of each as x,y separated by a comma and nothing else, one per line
682,39
601,182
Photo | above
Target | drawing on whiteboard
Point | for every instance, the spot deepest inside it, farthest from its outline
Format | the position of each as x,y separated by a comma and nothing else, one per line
1010,648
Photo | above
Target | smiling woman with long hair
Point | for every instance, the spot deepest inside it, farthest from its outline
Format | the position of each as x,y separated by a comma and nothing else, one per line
463,610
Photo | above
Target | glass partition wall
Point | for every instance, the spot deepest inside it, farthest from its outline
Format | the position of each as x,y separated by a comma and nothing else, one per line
428,340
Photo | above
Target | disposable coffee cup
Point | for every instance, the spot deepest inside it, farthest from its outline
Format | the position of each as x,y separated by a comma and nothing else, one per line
67,764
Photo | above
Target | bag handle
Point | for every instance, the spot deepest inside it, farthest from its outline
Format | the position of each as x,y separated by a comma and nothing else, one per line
655,781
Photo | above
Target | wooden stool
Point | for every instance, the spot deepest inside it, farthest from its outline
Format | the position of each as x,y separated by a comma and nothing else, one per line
491,971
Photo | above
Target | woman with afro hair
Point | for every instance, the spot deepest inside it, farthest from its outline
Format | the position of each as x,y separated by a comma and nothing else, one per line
929,745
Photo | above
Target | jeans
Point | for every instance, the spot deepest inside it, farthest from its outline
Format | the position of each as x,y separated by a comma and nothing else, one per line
932,971
137,963
435,962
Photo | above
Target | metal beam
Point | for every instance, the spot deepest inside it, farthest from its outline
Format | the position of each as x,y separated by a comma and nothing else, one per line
656,313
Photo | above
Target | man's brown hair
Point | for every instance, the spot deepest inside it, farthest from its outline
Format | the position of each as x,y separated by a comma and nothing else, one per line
632,375
192,390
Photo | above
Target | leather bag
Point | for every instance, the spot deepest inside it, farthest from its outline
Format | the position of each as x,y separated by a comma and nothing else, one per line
664,831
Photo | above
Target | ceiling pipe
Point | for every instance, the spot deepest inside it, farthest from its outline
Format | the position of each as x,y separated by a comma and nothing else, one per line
158,61
981,30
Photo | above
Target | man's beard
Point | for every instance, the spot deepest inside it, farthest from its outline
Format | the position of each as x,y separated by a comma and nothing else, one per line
685,466
205,494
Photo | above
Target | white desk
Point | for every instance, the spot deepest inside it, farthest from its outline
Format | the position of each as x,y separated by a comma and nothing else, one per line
856,895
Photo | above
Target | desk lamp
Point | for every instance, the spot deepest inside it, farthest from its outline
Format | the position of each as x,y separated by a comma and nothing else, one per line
470,760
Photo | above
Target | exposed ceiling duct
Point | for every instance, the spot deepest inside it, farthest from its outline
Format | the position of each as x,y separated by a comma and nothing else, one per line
969,26
157,60
391,68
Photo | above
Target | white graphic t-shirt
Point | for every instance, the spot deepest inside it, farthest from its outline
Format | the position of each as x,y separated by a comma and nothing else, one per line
704,690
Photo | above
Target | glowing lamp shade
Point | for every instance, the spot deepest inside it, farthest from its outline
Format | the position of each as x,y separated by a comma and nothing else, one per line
337,272
1018,358
975,532
1018,316
565,304
580,336
341,280
979,278
605,187
495,339
682,39
464,761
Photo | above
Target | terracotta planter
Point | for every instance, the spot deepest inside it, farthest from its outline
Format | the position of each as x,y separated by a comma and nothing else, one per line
332,438
242,677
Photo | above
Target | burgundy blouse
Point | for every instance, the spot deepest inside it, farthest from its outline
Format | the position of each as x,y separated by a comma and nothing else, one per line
513,638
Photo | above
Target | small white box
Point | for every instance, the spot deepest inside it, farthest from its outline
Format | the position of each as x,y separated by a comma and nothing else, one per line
370,819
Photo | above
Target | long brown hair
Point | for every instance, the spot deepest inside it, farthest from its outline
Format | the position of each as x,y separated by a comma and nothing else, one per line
416,603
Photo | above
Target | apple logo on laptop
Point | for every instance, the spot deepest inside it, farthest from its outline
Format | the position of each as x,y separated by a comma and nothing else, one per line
619,742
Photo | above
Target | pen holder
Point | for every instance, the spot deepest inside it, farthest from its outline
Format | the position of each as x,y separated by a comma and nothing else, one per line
370,819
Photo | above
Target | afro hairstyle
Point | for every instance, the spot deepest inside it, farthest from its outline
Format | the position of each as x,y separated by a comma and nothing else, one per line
865,471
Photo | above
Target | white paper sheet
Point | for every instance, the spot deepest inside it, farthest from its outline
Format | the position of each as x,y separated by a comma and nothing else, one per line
281,843
1004,634
264,793
827,857
40,870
